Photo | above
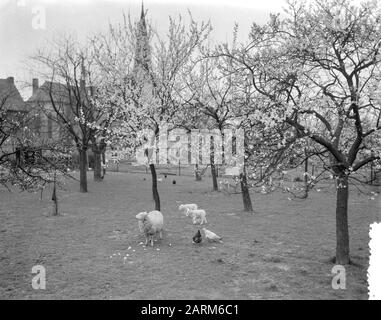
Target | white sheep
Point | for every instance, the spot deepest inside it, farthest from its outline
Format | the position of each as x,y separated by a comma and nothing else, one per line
185,207
150,223
198,216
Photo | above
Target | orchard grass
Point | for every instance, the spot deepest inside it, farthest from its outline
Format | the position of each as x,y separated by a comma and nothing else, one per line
281,251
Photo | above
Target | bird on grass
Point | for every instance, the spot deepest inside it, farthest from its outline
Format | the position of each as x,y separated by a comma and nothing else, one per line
174,182
197,238
211,236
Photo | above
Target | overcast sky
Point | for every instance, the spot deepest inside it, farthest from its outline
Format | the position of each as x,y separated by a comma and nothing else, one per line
19,37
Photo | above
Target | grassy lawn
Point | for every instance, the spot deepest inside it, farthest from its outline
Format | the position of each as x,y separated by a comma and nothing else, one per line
281,251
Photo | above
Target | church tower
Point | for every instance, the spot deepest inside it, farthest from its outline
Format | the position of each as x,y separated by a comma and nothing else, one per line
142,59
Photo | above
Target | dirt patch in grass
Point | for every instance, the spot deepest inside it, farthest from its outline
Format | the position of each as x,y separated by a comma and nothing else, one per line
94,249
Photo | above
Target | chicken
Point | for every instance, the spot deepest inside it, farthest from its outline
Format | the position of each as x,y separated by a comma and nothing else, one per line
197,238
211,236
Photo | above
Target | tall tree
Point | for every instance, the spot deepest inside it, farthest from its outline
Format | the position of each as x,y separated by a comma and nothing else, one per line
144,72
213,101
71,98
207,103
318,69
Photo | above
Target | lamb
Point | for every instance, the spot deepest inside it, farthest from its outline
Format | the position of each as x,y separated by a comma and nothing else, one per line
198,216
150,223
184,207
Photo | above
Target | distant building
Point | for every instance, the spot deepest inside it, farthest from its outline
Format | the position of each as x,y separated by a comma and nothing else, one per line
44,102
54,106
10,98
12,107
52,96
140,77
142,57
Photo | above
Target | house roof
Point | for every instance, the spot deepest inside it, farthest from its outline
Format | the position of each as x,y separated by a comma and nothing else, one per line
10,97
59,91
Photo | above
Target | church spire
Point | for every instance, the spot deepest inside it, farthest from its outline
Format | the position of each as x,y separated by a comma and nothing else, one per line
142,13
142,49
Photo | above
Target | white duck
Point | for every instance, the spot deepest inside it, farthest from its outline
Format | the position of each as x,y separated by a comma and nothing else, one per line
211,236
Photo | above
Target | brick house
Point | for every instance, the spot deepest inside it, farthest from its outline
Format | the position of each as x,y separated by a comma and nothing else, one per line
45,101
46,123
12,107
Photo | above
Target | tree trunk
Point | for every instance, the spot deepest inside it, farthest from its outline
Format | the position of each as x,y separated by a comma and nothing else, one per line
247,205
155,193
104,163
342,231
214,176
197,173
55,199
83,170
305,175
97,165
55,211
213,166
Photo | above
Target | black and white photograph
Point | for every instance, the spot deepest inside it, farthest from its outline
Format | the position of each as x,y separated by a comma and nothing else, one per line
190,150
